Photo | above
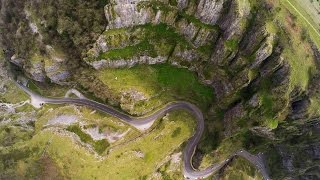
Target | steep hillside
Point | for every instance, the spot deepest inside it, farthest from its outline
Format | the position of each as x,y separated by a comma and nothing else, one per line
251,66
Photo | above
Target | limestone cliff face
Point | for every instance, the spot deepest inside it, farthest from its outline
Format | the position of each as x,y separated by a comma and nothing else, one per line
231,48
214,35
195,22
228,43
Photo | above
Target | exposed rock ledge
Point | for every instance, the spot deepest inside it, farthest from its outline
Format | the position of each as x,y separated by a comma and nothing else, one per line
127,13
127,62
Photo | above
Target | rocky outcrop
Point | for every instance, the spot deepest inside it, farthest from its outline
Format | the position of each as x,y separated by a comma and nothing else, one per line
41,67
188,30
230,119
17,61
299,108
125,13
127,63
129,99
205,37
293,159
263,52
209,11
32,26
36,71
228,43
56,67
199,23
205,25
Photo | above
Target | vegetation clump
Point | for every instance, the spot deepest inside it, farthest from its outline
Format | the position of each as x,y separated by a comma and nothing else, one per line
99,146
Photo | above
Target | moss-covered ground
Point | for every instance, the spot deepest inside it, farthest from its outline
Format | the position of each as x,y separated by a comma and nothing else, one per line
153,40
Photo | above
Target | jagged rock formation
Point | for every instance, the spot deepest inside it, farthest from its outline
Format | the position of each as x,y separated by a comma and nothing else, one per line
220,40
228,43
44,40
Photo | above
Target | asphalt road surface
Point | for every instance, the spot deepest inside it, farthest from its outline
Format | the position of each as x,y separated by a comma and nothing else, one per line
143,123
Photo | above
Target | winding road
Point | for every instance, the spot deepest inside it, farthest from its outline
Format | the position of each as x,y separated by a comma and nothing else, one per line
143,123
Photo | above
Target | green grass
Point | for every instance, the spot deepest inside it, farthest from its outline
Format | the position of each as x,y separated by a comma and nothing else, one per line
267,101
173,2
32,86
311,7
176,132
163,37
231,44
206,50
162,31
36,58
154,40
272,123
301,64
163,82
100,120
11,134
142,48
297,51
303,18
184,82
53,90
83,136
314,108
271,27
241,169
75,162
99,146
13,94
298,54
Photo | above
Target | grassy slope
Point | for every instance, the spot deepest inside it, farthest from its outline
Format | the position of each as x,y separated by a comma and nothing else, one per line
13,95
75,162
143,48
304,18
99,146
241,169
297,50
162,83
312,8
174,83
